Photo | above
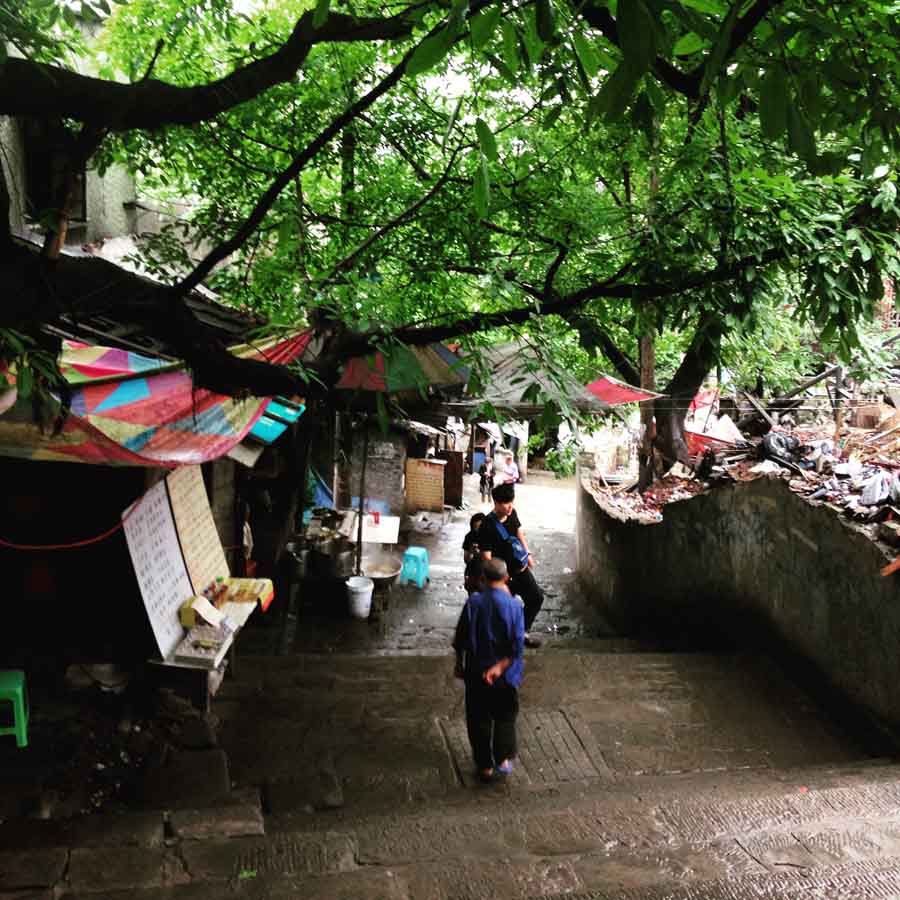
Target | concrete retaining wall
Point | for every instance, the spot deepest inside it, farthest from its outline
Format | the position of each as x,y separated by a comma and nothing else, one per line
754,554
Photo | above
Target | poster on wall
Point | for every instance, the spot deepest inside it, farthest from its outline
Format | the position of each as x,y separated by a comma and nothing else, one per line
200,544
158,564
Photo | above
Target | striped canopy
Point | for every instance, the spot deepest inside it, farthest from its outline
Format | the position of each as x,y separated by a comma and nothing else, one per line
406,369
129,409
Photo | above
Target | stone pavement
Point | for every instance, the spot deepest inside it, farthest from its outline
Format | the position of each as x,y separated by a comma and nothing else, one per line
645,772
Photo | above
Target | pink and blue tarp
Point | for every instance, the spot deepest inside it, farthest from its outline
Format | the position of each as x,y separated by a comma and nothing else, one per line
129,409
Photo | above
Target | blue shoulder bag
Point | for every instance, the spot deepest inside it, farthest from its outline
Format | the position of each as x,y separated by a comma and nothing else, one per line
520,554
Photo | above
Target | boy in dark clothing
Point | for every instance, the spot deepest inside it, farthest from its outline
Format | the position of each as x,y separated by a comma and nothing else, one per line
495,546
486,479
470,541
489,646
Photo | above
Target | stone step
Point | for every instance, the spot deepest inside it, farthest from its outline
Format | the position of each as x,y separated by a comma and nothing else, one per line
510,878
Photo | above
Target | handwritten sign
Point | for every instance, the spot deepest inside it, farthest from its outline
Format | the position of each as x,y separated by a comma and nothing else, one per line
158,565
203,553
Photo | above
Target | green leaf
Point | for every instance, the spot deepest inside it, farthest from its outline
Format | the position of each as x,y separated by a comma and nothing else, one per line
451,124
773,103
285,233
482,189
800,135
486,140
586,54
511,47
688,43
712,7
429,53
613,98
483,25
552,116
534,46
719,52
841,71
320,16
545,19
69,16
24,382
636,34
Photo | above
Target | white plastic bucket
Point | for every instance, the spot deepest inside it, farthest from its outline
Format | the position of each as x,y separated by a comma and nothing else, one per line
359,593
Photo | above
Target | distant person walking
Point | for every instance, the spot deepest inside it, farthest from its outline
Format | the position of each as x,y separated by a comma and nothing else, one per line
501,536
486,479
489,646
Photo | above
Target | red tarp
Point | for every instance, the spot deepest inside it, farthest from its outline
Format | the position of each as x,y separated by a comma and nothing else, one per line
613,392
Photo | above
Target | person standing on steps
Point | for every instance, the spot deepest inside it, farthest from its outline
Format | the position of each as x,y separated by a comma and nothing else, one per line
510,471
489,644
486,479
501,537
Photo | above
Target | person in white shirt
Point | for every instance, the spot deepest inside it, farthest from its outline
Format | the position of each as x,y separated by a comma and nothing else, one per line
510,472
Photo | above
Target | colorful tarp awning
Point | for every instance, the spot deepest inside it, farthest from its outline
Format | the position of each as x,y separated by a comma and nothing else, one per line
129,409
613,392
406,369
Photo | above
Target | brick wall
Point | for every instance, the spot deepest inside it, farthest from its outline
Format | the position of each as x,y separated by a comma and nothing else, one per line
424,485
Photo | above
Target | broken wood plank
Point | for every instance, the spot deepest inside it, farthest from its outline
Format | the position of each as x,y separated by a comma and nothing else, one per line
759,408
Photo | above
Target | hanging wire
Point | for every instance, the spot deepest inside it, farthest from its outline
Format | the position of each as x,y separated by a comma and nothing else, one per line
12,545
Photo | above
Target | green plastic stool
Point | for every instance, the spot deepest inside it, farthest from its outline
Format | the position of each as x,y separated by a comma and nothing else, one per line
12,688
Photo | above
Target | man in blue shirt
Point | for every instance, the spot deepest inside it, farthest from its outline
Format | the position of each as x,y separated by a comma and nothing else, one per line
490,650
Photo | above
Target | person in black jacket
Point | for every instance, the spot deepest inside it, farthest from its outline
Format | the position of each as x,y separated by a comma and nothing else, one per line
493,543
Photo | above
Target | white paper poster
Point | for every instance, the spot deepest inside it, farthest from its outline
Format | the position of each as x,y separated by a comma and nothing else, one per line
158,564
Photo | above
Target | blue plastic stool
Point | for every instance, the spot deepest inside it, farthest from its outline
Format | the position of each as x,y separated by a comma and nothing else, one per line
415,566
12,688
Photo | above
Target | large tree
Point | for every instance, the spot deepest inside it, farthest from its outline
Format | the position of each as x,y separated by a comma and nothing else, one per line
446,169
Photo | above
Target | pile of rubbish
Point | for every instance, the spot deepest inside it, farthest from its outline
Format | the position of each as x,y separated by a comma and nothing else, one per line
856,472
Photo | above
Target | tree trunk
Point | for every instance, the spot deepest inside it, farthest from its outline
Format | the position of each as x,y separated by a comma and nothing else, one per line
647,356
671,410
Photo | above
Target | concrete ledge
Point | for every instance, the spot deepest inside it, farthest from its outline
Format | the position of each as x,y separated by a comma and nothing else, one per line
755,552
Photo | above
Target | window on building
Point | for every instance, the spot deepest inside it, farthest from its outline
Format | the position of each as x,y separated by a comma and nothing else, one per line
46,146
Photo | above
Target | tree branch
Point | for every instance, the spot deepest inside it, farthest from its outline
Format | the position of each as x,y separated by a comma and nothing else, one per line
30,88
686,83
404,216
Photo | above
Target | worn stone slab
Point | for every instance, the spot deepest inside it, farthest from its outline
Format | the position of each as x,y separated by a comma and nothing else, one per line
241,820
32,868
140,829
320,789
117,869
420,839
361,885
567,832
553,747
495,879
48,894
286,854
191,779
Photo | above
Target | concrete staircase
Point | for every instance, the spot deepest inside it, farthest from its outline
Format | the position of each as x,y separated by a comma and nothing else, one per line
641,775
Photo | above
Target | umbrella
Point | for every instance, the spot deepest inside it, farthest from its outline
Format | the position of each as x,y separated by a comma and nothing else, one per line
403,369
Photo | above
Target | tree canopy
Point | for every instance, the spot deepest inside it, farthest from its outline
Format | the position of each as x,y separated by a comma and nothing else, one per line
440,169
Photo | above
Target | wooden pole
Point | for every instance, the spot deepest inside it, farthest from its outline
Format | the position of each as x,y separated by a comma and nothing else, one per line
362,496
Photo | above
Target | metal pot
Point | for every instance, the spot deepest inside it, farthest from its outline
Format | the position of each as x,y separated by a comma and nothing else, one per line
343,562
299,559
